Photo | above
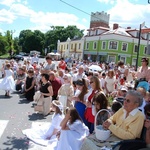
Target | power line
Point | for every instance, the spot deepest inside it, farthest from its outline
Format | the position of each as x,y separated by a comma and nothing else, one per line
75,7
78,9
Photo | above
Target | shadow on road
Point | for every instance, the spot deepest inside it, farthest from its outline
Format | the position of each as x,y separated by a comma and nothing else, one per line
36,116
15,143
5,97
24,101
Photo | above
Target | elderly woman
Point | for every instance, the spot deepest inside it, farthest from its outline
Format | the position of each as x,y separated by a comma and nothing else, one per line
66,91
127,122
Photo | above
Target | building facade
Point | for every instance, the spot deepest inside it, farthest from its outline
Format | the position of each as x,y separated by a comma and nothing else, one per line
106,45
71,48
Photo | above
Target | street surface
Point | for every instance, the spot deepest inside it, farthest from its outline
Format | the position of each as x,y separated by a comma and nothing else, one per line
17,114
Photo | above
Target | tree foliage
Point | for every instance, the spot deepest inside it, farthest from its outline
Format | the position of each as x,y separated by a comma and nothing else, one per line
36,40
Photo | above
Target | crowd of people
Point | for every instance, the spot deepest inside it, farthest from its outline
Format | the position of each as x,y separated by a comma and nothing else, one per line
75,94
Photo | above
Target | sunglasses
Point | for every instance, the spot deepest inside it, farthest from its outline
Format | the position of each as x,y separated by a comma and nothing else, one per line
91,82
127,100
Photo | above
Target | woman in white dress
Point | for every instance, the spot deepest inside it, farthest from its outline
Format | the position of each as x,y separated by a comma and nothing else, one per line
73,131
46,134
7,83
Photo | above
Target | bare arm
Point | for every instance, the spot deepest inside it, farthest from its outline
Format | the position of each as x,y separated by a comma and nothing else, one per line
50,89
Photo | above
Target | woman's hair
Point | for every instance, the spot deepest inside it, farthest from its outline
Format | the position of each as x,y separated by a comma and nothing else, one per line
137,96
116,106
58,106
147,108
74,115
120,63
46,76
97,83
101,99
111,72
82,82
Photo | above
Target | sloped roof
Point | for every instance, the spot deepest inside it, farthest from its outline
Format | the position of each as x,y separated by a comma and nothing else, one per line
119,30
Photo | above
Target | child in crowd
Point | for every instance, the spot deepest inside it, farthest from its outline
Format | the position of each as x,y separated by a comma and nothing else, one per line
7,83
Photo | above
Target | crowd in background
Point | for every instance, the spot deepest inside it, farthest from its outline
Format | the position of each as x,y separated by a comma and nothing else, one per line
86,90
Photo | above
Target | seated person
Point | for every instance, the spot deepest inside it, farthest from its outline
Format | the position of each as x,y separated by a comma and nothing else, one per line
20,79
147,124
127,122
46,134
73,131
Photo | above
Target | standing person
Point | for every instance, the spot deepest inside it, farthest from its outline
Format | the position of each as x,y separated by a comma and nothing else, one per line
34,59
80,97
46,134
73,131
95,88
143,72
62,64
110,82
30,85
122,72
56,84
50,65
47,92
7,83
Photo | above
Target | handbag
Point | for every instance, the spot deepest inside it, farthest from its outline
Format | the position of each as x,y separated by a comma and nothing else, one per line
63,100
38,108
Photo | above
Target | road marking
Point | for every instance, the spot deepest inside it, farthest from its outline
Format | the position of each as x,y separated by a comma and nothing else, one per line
3,124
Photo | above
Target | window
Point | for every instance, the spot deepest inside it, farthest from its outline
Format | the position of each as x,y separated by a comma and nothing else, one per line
87,45
71,46
67,46
123,59
96,32
124,46
94,45
145,50
103,45
135,48
111,59
133,61
113,45
79,45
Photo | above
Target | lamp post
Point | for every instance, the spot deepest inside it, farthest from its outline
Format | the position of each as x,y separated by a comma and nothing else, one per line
138,48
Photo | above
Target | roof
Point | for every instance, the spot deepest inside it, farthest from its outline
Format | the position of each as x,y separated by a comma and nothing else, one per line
119,30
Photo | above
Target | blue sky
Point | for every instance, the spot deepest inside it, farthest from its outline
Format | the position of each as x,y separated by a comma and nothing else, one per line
17,15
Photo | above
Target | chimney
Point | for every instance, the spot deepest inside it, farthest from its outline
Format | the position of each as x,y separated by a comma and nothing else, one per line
115,26
128,27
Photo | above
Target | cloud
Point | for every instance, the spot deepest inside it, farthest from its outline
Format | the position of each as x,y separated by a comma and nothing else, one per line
107,1
6,16
129,14
8,2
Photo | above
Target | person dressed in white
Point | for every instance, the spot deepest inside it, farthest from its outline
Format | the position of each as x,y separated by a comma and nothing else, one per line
7,83
46,135
73,131
34,59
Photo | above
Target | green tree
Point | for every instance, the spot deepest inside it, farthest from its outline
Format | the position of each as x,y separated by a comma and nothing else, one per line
61,33
29,40
3,45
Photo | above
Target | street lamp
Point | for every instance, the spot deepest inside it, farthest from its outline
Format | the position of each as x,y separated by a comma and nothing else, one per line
138,48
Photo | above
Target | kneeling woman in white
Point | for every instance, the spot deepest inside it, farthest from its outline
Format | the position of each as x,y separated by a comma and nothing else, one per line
73,131
45,135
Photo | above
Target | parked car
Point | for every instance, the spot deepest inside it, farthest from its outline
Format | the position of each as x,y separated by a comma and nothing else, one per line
17,57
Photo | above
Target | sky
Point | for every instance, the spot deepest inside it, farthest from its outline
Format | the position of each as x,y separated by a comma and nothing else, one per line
18,15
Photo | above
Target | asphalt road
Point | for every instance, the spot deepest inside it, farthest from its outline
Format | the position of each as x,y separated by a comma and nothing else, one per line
17,114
